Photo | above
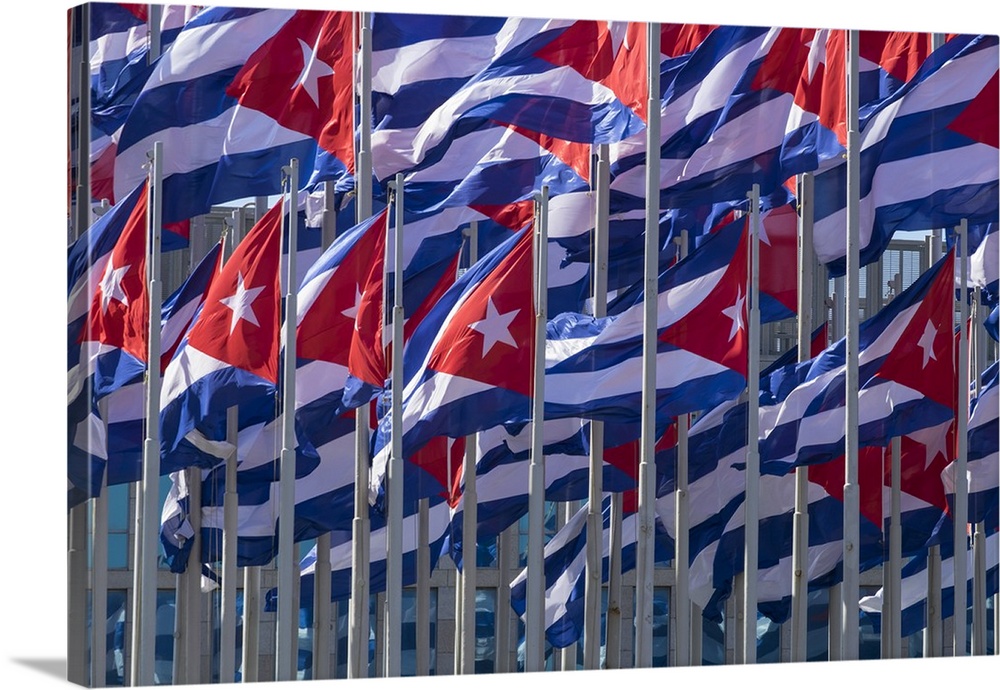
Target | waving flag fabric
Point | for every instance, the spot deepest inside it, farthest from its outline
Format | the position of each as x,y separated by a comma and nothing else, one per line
117,330
942,123
747,107
593,365
468,366
502,475
906,370
565,569
913,596
341,554
211,100
230,355
88,260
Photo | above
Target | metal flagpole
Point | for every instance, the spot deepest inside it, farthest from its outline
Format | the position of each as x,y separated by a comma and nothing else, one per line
850,588
459,605
613,617
394,478
230,526
647,458
147,541
595,494
76,556
682,579
895,579
187,615
99,574
287,632
934,634
534,634
506,554
359,630
978,360
751,526
566,657
470,521
423,634
250,670
800,524
961,518
322,606
230,515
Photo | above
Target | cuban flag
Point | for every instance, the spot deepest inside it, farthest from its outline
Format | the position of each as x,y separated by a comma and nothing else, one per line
565,569
211,100
86,264
913,594
983,454
928,155
126,418
593,366
230,355
341,555
117,331
552,77
502,468
906,370
745,107
119,67
467,366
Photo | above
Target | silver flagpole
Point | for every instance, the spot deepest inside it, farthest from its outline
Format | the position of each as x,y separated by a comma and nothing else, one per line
647,458
800,524
322,606
470,520
394,478
251,574
595,517
979,613
423,618
566,656
751,525
230,527
230,517
613,617
850,590
534,637
682,583
934,633
961,518
895,578
76,556
147,525
187,617
287,631
99,574
358,630
506,556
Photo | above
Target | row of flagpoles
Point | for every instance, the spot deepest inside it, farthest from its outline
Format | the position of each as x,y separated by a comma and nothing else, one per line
147,525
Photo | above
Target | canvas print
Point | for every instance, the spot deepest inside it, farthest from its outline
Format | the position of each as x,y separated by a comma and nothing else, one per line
424,344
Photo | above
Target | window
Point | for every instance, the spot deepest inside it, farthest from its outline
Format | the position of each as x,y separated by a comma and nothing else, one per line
408,662
661,626
118,526
486,647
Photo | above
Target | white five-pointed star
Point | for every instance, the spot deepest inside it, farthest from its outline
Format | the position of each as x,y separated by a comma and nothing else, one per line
111,285
313,69
495,327
352,312
735,313
926,343
242,303
817,53
934,439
